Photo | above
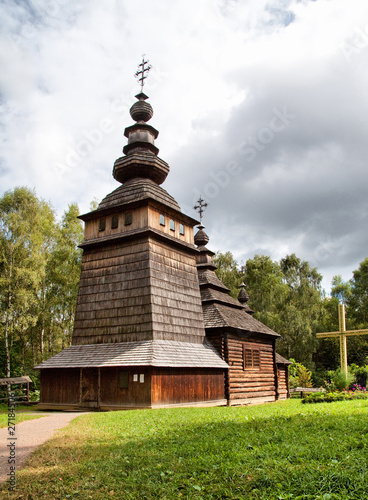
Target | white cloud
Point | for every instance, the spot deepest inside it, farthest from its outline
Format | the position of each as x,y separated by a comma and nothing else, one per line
221,68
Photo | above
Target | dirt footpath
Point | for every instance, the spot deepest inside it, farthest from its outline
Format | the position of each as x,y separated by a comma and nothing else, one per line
28,436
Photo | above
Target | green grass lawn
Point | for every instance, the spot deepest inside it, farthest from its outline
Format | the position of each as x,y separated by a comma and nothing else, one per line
284,450
19,415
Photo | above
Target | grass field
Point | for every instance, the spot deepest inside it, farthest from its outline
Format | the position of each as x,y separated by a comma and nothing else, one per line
19,417
284,450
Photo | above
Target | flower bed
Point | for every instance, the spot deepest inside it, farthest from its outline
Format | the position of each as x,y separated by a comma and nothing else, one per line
357,392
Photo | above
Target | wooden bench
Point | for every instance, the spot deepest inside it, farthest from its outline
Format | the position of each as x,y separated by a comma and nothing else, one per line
303,390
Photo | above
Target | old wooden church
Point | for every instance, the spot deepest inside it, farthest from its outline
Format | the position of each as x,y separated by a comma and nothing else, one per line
154,326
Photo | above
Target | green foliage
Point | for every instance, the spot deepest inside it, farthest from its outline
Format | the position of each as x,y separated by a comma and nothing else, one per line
330,397
360,373
266,289
299,375
39,273
342,380
337,380
227,271
34,395
358,301
341,289
270,452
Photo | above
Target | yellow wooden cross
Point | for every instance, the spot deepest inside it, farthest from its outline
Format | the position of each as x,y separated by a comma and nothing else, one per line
342,334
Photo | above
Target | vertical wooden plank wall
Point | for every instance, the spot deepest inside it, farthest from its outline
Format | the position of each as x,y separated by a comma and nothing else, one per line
181,386
60,386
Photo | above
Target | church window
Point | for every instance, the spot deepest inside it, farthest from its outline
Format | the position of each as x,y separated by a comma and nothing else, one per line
128,218
123,380
181,228
135,377
162,220
114,221
172,225
141,378
251,358
102,225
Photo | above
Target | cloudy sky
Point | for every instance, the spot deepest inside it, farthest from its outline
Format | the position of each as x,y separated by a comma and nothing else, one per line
262,107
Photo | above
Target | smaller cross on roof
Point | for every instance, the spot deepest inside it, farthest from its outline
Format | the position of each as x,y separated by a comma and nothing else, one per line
200,207
142,72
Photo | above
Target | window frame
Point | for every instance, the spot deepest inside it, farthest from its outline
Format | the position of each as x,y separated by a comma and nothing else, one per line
251,357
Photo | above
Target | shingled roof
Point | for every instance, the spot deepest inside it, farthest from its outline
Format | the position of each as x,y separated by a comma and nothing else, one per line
220,310
137,190
144,353
222,316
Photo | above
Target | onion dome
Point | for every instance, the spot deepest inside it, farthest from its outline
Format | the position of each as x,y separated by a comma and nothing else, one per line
243,297
141,111
200,238
141,160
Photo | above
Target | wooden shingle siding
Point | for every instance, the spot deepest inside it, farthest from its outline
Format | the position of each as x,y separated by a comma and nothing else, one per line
176,302
124,290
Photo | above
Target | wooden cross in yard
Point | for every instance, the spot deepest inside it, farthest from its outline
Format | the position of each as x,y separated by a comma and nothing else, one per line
342,334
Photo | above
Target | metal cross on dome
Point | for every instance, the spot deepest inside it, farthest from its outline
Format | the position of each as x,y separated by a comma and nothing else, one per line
142,72
200,207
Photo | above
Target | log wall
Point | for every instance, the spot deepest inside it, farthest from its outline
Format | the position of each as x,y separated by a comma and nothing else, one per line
283,377
253,384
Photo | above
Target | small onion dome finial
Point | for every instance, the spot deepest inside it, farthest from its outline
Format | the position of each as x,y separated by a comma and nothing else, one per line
243,297
141,111
200,238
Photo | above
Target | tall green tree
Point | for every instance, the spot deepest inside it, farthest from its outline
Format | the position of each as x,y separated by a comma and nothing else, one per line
266,289
228,271
26,224
303,309
358,300
63,272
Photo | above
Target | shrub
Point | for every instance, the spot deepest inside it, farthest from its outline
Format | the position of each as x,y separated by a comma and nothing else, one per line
34,395
299,375
329,397
360,373
342,380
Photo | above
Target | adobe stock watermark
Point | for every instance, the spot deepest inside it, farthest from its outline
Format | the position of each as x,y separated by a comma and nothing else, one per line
324,251
356,43
28,31
249,149
94,137
225,7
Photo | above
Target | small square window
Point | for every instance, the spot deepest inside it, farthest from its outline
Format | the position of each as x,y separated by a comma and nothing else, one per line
172,225
141,378
114,221
123,380
181,228
162,220
102,225
251,358
135,377
128,218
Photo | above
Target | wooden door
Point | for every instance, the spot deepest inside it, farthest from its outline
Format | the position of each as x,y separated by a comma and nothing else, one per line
89,387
